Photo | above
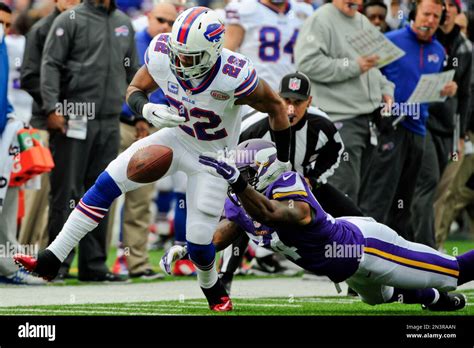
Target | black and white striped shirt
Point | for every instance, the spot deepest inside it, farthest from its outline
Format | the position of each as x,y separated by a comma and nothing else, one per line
316,145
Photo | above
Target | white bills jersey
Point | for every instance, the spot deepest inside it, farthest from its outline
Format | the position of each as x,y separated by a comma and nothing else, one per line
269,35
212,118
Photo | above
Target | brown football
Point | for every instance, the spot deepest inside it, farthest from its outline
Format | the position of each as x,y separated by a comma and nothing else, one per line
149,163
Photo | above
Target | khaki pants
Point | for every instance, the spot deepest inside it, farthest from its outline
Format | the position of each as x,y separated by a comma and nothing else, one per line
454,199
136,215
34,224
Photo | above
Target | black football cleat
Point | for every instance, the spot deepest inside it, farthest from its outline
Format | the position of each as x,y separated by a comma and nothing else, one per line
448,302
217,297
46,265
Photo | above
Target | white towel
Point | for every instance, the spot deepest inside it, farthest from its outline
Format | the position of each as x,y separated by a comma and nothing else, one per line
9,147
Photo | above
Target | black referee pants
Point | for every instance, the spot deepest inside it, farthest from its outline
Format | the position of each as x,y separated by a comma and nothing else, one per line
78,163
390,182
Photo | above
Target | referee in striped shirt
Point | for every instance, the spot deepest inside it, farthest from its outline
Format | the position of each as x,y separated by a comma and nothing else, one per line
316,150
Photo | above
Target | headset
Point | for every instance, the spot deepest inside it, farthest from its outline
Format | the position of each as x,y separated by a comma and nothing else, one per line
412,13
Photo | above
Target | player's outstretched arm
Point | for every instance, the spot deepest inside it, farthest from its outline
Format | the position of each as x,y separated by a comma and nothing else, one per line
234,35
142,81
271,213
266,100
274,213
226,233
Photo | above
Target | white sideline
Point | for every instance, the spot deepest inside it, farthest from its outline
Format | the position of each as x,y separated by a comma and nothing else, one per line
165,290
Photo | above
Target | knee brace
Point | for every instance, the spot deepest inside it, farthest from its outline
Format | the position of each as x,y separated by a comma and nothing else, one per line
202,255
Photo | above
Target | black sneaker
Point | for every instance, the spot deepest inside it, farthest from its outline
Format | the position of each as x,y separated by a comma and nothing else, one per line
148,274
269,265
103,277
448,302
352,292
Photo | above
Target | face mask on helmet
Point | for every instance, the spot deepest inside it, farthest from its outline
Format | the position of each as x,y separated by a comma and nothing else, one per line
195,43
252,158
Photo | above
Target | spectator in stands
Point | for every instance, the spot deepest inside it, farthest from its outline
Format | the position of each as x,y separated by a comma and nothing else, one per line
348,88
442,125
376,12
9,126
136,213
393,173
88,61
396,14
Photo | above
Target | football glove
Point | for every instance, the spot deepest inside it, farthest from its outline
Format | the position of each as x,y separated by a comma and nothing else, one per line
175,253
162,116
273,172
224,167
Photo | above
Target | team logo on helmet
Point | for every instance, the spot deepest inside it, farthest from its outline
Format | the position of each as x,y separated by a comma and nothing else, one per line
214,32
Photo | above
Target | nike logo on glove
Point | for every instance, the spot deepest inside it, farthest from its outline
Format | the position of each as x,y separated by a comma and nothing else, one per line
228,172
286,177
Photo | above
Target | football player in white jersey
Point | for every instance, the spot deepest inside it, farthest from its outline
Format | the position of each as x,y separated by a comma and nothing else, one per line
205,86
266,31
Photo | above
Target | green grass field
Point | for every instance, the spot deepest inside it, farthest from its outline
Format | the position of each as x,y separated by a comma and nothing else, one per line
300,306
265,306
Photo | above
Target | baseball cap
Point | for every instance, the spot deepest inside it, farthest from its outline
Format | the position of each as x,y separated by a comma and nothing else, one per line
456,3
296,85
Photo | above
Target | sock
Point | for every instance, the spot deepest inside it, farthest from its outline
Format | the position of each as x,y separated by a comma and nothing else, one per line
180,219
203,257
87,214
410,296
466,267
163,201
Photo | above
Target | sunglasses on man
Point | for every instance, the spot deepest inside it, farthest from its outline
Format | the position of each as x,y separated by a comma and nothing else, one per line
162,20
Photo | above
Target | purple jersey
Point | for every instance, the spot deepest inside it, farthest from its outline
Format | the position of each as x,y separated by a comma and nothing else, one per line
327,246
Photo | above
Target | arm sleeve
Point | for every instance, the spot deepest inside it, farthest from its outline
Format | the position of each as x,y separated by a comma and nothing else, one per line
55,53
31,66
313,57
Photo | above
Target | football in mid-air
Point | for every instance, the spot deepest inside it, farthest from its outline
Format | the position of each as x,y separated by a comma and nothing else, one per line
149,163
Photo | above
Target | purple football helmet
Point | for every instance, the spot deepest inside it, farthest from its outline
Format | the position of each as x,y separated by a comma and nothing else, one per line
253,157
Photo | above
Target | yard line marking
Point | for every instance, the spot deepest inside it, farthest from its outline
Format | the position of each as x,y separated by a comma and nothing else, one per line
260,304
26,311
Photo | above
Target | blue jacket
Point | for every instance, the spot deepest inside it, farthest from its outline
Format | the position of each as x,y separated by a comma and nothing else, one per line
420,58
142,40
5,106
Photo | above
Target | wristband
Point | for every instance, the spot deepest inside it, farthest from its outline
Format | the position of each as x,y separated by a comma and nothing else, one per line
136,101
239,185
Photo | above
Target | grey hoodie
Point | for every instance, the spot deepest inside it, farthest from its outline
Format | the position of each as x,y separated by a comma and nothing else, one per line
337,85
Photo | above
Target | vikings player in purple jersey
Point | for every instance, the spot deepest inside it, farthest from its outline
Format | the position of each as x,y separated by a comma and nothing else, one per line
372,258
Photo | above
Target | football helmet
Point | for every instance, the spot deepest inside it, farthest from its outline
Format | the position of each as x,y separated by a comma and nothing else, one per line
195,43
253,157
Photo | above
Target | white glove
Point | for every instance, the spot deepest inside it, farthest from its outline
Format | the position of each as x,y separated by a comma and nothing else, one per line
175,253
162,116
273,172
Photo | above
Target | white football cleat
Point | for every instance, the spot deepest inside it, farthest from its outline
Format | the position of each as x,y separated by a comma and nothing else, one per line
176,252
